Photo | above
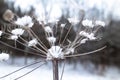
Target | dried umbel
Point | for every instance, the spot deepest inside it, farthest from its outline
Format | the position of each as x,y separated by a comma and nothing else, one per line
61,37
53,41
8,15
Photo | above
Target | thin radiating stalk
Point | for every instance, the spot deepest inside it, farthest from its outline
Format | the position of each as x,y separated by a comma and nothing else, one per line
60,35
33,46
82,54
28,47
42,45
21,68
66,35
62,70
30,71
21,42
22,50
41,50
33,35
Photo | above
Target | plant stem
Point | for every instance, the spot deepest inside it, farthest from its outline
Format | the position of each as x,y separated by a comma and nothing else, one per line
55,69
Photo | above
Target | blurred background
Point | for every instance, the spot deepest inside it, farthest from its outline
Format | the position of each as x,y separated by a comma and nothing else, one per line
105,10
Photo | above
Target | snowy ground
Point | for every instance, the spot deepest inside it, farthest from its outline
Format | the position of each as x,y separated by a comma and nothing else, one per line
45,72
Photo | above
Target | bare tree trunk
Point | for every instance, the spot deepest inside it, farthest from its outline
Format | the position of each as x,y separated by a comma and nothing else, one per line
55,69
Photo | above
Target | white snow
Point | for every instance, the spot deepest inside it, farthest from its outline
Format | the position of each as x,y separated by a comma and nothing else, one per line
48,29
62,25
101,23
87,35
55,52
83,41
25,21
1,33
73,20
32,42
4,56
13,37
69,51
88,23
70,73
52,40
17,31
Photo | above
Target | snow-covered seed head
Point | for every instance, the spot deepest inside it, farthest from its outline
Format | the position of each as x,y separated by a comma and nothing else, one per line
17,31
62,25
83,41
4,56
52,40
90,36
101,23
13,37
8,15
48,29
32,42
55,52
88,23
25,21
69,51
73,20
1,33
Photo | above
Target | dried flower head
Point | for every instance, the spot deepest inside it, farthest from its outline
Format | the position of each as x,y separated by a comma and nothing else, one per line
32,42
8,15
17,31
25,21
88,23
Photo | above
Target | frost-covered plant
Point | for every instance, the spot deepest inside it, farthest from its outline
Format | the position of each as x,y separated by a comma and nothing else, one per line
57,35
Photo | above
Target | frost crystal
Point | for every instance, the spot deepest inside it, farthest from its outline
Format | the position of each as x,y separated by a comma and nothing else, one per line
1,33
73,20
101,23
48,29
17,31
4,57
83,41
88,23
14,37
88,35
51,39
55,52
32,42
62,25
69,51
25,21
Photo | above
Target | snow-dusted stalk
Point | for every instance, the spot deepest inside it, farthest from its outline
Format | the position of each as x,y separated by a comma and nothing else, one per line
55,69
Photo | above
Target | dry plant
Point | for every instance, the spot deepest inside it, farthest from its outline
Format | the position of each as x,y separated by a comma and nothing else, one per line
53,41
